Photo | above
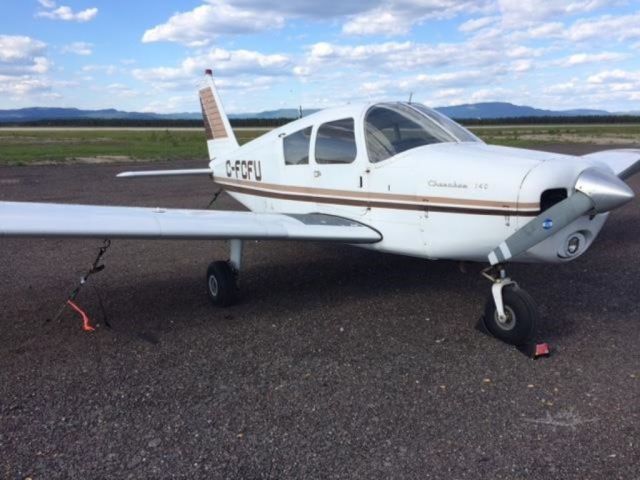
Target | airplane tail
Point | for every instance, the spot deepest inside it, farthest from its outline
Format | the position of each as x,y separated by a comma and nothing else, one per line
220,136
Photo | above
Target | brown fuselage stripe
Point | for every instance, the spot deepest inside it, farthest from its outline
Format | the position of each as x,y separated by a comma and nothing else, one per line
490,204
373,203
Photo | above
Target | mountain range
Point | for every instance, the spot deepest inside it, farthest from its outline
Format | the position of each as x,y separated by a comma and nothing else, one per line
487,110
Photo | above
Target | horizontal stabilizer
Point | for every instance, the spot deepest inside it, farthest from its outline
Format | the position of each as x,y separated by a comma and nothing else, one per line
21,219
165,173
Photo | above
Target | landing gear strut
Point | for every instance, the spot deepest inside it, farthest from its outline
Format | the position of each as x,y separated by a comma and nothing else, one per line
222,277
510,313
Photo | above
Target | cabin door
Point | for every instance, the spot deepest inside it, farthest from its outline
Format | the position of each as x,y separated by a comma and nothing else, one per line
337,169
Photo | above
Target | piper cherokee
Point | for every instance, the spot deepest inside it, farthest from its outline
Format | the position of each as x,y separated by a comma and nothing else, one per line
395,177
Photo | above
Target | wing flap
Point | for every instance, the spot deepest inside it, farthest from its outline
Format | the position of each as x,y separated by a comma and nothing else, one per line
624,162
21,219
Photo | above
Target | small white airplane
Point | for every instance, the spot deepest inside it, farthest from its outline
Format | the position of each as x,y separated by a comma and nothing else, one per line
394,177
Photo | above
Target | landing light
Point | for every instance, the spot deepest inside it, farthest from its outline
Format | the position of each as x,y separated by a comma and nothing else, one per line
575,244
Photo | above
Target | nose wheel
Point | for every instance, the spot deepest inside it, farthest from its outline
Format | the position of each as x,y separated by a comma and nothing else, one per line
510,314
520,316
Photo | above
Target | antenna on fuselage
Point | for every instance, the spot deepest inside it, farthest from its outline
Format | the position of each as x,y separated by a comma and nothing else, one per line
300,112
410,97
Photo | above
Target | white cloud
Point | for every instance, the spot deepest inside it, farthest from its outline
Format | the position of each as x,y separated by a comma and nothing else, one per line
39,65
22,86
397,17
523,12
477,24
521,66
614,76
378,21
106,69
545,30
224,63
302,71
564,87
606,28
200,25
310,8
171,104
408,56
602,90
584,58
442,82
20,55
20,48
119,90
448,80
78,48
65,13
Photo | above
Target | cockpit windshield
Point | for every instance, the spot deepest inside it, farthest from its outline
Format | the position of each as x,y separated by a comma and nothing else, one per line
393,128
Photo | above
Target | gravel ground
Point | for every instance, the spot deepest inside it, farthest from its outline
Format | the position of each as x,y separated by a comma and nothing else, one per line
338,362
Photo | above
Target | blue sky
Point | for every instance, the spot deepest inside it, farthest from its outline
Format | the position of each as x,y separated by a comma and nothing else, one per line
149,55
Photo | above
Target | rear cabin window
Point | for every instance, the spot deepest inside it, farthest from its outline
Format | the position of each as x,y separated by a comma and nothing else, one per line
296,147
336,142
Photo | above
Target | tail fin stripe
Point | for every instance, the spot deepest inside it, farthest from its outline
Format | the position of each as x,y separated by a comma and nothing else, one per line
221,140
213,120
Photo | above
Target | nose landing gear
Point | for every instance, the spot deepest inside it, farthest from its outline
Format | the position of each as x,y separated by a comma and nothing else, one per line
510,314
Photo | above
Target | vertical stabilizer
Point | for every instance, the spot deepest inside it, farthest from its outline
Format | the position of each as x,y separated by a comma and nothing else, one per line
220,136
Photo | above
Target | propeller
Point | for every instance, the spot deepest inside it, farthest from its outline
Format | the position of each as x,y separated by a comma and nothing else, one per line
596,191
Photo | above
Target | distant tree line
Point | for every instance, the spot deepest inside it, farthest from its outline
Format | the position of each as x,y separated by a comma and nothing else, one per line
277,122
586,119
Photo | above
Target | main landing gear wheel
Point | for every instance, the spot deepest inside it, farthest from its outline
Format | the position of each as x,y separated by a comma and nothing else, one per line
521,315
222,286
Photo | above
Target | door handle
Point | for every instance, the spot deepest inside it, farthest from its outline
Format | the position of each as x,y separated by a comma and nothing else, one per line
317,173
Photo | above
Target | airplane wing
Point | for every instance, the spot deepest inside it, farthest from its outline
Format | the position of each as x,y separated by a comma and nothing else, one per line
624,162
22,219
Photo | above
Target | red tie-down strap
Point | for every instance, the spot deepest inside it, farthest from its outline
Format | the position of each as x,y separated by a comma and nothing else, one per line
86,323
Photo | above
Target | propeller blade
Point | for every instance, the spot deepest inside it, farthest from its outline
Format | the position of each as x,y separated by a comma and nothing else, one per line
597,191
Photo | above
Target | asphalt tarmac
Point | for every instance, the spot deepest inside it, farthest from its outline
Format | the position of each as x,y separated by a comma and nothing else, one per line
338,362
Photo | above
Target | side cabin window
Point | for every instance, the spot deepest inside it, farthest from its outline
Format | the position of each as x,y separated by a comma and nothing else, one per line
393,129
296,147
336,142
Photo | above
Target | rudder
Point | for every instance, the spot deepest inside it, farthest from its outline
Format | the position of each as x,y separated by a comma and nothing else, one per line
220,136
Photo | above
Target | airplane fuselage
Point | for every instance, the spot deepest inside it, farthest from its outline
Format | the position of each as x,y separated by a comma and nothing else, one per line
442,201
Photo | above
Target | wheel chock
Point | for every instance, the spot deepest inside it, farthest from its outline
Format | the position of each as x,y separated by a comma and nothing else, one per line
535,350
532,350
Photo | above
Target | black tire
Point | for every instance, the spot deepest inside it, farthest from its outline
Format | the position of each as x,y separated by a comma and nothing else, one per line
221,284
522,315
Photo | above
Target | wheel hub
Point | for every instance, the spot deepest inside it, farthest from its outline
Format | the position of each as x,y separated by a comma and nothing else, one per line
213,286
509,322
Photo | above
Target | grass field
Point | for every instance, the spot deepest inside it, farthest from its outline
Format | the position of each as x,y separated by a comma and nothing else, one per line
23,147
532,135
33,146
